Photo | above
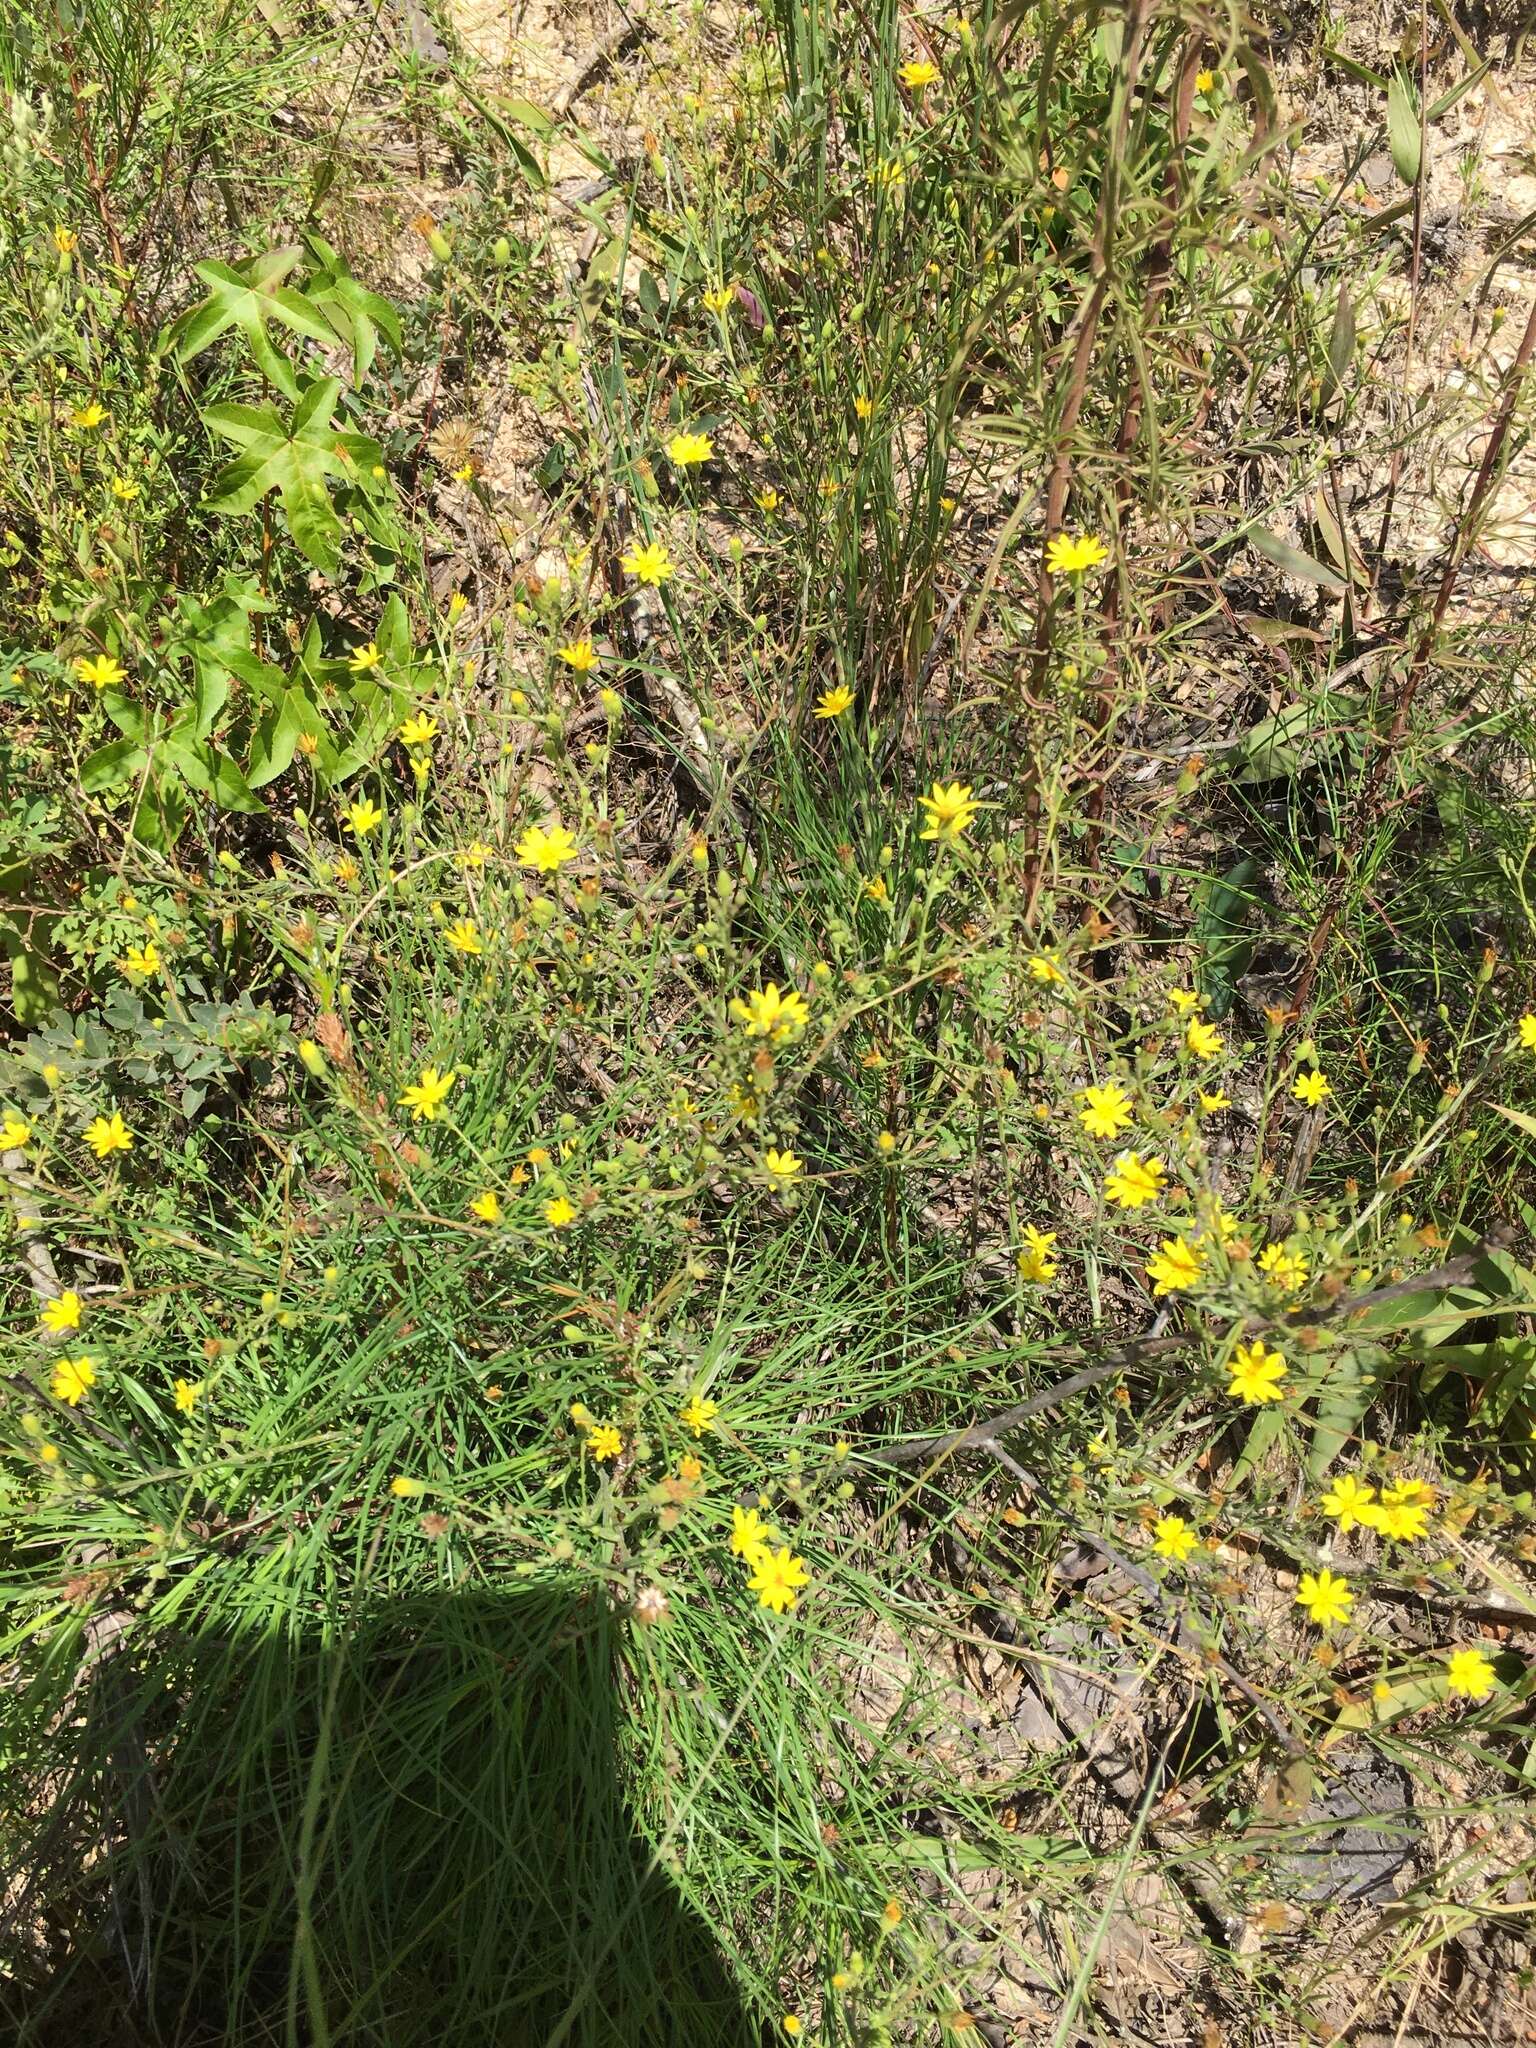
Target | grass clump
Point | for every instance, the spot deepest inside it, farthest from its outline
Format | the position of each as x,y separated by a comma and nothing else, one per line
770,1060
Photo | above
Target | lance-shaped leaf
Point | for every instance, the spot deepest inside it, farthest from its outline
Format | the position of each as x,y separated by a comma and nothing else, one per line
294,460
248,298
358,315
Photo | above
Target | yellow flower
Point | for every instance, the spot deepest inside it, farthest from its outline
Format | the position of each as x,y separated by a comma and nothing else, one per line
406,1489
1034,1262
1043,968
918,73
558,1212
580,655
464,937
834,702
546,850
1346,1502
700,1414
65,240
863,406
363,817
1203,1039
89,416
1106,1111
1256,1374
781,1167
685,450
1174,1266
1310,1089
63,1313
604,1442
749,1534
1183,1000
767,1014
487,1206
474,856
419,730
364,658
1205,81
1400,1515
103,673
1133,1181
766,501
791,2024
15,1132
649,564
690,1467
73,1379
719,297
1326,1598
950,811
142,960
1469,1673
424,1098
1069,556
185,1393
124,489
108,1134
1284,1268
777,1578
1528,1031
1175,1538
1212,1099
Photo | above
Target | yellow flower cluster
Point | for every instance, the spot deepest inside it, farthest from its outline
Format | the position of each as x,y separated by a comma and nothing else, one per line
775,1574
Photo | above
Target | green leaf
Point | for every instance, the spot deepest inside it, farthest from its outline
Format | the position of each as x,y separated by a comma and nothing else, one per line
34,985
1343,1401
1517,1117
295,460
246,298
1305,568
1224,905
119,761
276,738
1403,138
1341,344
357,315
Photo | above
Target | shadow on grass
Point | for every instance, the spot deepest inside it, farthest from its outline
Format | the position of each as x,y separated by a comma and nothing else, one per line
411,1832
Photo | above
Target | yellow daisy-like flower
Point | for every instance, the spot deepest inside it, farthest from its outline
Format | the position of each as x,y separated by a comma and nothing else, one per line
604,1442
1346,1502
1326,1597
1174,1266
918,74
1205,81
766,1014
580,655
1075,555
649,564
124,489
424,1098
1043,968
15,1132
559,1211
950,812
1106,1111
1174,1538
363,817
700,1413
1203,1039
1035,1262
185,1394
1469,1674
1401,1515
863,406
719,298
1133,1181
102,673
749,1533
365,658
1212,1099
65,240
782,1168
1256,1374
1283,1267
73,1379
778,1577
108,1134
546,849
88,416
684,451
419,730
1310,1089
63,1313
406,1489
142,960
766,501
464,936
1183,1000
834,702
1528,1031
487,1206
473,857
